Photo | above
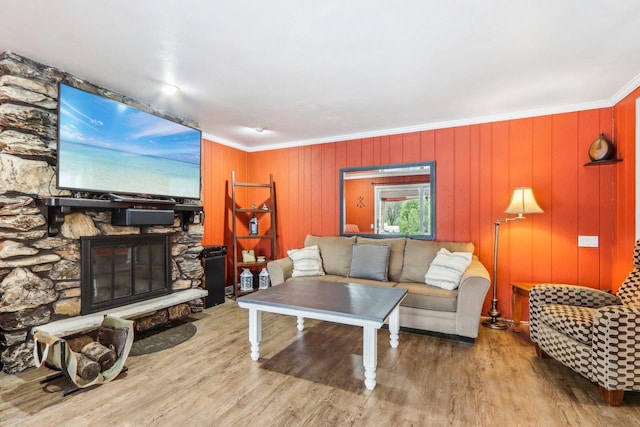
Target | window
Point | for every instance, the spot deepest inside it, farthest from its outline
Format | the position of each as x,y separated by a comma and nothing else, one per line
402,209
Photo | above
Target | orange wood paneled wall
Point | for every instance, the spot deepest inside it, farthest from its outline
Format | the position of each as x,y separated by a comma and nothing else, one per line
624,200
217,163
358,194
477,168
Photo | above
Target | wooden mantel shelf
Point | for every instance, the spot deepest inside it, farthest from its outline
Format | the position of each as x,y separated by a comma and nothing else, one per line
57,207
110,204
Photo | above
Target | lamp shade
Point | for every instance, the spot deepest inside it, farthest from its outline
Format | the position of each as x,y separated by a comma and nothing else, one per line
523,202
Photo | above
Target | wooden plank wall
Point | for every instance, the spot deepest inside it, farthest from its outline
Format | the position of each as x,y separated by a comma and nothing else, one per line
477,168
362,214
217,163
624,197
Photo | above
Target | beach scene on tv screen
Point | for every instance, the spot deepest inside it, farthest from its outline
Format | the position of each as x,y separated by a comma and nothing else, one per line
106,146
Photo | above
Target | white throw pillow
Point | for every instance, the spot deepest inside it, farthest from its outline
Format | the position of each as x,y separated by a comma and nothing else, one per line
447,268
306,261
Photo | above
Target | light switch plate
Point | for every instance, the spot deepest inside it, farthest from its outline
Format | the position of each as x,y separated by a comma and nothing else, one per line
588,241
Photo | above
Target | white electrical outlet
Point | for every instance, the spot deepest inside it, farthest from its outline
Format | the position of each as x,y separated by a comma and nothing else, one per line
588,241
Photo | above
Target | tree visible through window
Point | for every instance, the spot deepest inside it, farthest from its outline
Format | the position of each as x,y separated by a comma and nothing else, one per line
403,209
410,217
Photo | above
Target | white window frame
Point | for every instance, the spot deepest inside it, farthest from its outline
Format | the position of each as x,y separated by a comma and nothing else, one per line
423,195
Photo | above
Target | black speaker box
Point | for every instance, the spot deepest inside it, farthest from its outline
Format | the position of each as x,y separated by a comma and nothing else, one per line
142,217
214,280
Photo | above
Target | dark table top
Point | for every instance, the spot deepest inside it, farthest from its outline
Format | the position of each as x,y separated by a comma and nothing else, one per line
359,301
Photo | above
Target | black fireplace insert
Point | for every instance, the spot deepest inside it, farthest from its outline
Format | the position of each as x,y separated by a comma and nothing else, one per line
119,270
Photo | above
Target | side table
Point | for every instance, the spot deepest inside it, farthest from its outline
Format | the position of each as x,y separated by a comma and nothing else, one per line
520,290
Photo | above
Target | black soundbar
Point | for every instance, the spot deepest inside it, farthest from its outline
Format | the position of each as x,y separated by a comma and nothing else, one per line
142,217
140,200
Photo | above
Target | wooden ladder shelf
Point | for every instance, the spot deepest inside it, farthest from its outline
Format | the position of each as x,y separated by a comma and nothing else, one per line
241,238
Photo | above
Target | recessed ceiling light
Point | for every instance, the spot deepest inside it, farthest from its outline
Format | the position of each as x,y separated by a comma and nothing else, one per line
170,89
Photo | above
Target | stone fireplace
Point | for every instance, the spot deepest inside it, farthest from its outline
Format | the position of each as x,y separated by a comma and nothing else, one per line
41,246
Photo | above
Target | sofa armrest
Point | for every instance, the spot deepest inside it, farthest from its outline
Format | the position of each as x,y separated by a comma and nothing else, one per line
472,291
616,346
545,294
280,270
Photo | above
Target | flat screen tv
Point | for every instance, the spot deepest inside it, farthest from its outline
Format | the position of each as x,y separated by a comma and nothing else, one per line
105,146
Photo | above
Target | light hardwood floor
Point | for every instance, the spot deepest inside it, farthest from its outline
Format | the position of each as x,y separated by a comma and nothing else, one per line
315,377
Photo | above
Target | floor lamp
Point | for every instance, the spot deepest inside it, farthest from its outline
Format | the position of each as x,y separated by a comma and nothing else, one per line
522,202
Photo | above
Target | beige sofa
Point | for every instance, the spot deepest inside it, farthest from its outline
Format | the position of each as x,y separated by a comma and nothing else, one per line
426,307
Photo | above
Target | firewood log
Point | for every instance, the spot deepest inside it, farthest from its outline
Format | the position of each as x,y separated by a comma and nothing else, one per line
101,354
77,343
114,338
87,368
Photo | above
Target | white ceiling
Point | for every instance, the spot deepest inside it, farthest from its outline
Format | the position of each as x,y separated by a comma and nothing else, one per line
310,71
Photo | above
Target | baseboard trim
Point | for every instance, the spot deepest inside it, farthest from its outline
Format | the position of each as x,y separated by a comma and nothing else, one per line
452,337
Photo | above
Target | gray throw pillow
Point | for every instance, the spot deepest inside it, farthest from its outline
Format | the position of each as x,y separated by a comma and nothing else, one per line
370,262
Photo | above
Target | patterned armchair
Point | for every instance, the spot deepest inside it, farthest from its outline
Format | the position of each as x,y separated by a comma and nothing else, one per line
595,333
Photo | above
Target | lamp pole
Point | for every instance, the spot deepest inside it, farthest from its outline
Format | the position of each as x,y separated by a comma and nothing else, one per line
522,201
494,313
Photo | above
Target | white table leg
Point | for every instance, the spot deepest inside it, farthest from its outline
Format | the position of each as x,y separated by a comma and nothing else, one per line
394,327
255,332
370,356
300,323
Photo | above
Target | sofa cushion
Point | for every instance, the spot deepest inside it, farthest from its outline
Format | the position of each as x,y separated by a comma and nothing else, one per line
370,262
353,280
418,255
447,268
429,297
335,252
573,321
306,261
396,256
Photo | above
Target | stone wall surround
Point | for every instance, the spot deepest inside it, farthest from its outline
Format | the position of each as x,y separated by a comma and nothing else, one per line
40,275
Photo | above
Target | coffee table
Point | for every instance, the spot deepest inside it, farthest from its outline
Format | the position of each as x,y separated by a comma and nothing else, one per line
351,304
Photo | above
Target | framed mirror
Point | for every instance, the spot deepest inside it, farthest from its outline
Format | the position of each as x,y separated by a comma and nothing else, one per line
389,200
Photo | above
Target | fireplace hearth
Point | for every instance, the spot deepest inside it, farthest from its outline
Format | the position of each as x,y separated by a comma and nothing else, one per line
119,270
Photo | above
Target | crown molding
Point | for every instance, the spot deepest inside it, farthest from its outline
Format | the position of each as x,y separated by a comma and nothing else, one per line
625,90
224,141
607,103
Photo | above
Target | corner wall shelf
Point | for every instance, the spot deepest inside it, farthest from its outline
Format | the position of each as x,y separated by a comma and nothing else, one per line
602,162
57,207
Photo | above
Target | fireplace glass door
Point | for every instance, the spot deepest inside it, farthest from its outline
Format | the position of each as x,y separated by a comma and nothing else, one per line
118,270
